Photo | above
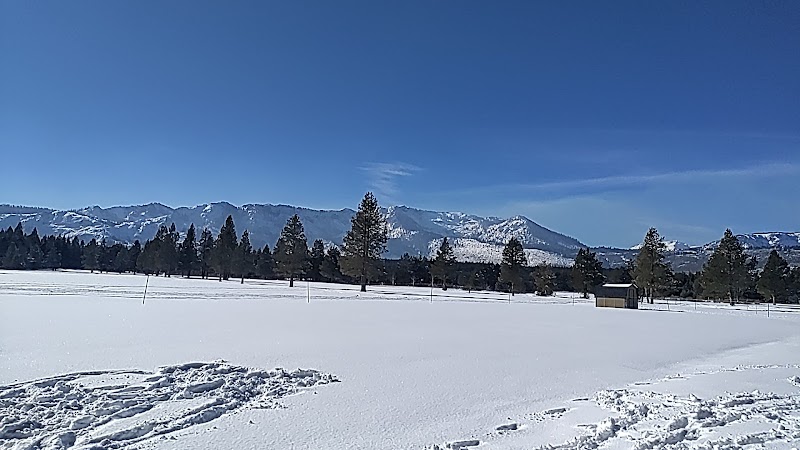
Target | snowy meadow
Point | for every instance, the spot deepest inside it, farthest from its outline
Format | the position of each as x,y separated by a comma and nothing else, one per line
206,364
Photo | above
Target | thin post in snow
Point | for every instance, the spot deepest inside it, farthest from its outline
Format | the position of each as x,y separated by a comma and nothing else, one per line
147,282
767,309
308,291
431,288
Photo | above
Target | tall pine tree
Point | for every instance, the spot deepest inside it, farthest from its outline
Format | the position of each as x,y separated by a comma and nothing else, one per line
91,256
225,249
331,270
265,265
316,258
650,271
188,253
511,266
774,281
442,265
244,255
587,272
544,279
206,252
291,250
728,272
365,242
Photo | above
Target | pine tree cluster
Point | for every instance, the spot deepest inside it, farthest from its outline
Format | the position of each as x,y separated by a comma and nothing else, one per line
729,274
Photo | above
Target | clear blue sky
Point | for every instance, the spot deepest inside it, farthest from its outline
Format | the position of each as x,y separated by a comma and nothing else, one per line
596,119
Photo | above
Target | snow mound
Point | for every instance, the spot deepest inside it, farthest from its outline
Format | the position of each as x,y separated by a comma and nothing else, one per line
116,409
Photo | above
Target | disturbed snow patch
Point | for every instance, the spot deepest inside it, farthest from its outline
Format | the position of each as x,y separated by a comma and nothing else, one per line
663,419
114,409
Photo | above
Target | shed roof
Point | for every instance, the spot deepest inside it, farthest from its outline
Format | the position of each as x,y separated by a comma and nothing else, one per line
619,285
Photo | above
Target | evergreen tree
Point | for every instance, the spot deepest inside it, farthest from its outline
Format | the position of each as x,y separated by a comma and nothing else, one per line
157,255
35,257
104,256
120,264
794,286
316,258
544,278
587,272
365,242
291,250
404,266
774,282
443,263
473,281
18,235
330,268
244,257
727,273
52,255
225,249
71,255
187,259
265,266
650,271
514,260
168,251
13,257
91,256
420,269
627,275
206,250
133,255
147,261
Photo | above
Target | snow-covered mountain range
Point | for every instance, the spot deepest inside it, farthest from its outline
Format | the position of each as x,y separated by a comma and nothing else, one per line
411,230
770,240
684,257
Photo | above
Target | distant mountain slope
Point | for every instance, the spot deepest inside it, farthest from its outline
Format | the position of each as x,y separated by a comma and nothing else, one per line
671,246
685,258
410,230
413,231
770,240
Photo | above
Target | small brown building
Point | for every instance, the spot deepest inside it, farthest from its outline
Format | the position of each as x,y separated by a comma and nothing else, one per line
617,296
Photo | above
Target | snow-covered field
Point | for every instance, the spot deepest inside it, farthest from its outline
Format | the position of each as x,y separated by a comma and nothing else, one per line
84,364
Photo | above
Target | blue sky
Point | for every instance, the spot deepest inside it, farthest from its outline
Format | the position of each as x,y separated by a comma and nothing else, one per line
596,119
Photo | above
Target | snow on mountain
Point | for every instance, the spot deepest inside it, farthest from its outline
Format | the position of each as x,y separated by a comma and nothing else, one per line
415,229
470,250
770,240
410,230
671,246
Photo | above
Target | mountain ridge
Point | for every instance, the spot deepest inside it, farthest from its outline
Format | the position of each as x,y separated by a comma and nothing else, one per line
411,230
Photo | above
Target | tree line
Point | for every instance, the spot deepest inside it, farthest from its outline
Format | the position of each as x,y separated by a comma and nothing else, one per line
729,274
223,256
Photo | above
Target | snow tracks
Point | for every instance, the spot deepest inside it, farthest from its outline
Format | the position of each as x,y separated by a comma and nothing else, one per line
114,409
666,414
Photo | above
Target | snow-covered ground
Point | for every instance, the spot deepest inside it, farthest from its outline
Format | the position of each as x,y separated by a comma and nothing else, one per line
83,363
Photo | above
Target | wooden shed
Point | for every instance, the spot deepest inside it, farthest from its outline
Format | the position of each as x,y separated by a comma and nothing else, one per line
617,296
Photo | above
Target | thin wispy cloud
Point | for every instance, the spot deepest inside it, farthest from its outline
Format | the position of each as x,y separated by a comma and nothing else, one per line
384,178
629,180
566,188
